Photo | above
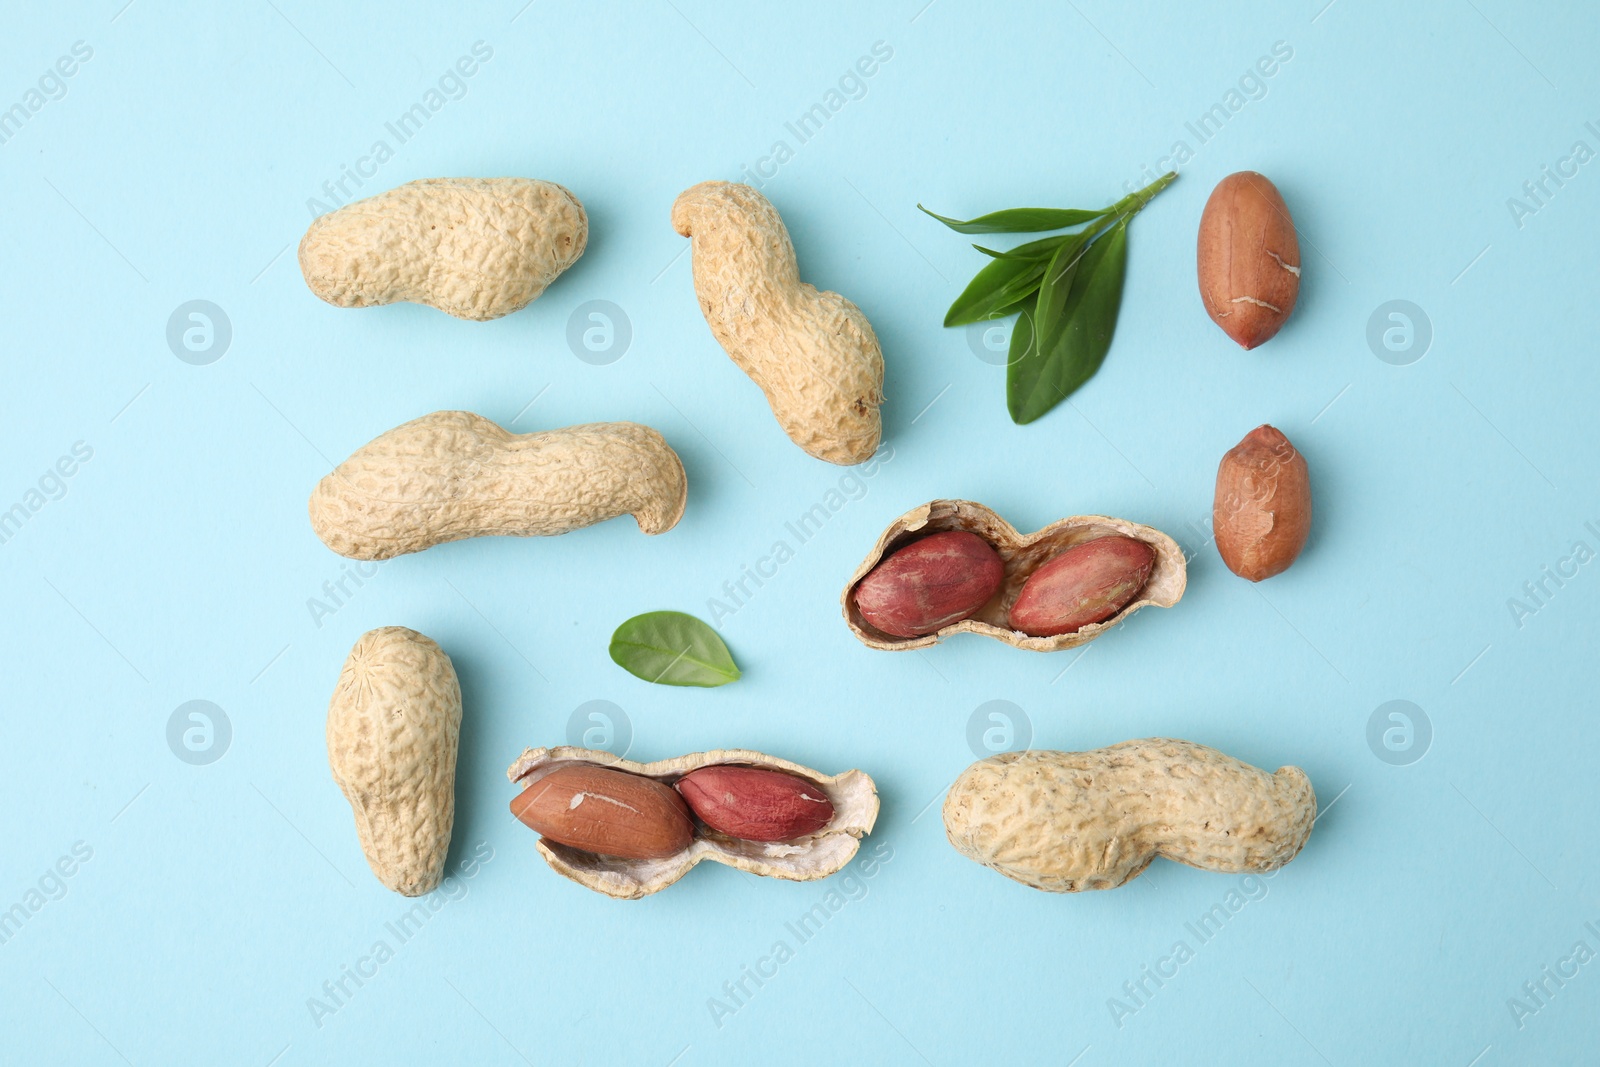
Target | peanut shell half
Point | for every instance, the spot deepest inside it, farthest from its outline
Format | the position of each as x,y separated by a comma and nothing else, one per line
1022,554
855,809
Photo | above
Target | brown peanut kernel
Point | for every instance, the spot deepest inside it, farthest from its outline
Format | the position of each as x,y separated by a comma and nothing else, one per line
1261,516
609,812
1248,258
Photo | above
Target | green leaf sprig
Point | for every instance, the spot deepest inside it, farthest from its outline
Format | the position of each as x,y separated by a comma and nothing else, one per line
1067,290
671,648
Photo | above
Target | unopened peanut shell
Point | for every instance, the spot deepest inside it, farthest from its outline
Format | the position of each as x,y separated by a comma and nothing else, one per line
454,474
1069,821
475,248
392,732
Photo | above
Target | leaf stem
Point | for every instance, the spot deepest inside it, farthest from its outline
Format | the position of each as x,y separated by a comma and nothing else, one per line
1134,203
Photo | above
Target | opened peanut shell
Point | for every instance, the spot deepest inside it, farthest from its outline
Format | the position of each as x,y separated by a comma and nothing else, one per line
1022,555
853,796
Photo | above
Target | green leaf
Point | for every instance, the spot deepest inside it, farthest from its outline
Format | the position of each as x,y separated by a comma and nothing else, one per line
1021,336
1020,220
1062,360
995,288
1056,285
1033,250
672,648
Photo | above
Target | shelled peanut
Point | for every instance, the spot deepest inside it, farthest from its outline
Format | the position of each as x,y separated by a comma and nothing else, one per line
615,813
930,583
1248,258
1082,586
630,829
609,812
1261,515
754,803
953,566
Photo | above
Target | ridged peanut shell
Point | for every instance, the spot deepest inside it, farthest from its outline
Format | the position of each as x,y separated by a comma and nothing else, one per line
1069,821
1022,554
475,248
855,809
812,352
393,725
452,475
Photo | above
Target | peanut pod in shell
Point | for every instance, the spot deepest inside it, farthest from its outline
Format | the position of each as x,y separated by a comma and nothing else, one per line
393,725
642,815
1069,821
1022,555
452,475
475,248
813,353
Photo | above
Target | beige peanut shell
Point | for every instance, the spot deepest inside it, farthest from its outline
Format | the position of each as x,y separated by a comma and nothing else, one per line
1022,554
452,475
855,809
812,352
393,725
475,248
1069,821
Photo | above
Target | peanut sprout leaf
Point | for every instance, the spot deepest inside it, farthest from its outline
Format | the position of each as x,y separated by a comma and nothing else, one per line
1067,289
997,286
1059,362
671,648
1020,220
1033,250
1021,335
1056,285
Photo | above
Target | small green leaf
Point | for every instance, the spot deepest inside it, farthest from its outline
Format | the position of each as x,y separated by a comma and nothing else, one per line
1033,250
1021,335
1070,355
1020,220
672,648
993,289
1056,285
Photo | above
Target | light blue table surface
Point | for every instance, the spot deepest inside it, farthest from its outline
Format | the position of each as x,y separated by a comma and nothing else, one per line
205,901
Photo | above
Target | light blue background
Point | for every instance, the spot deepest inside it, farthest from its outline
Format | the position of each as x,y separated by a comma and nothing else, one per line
179,562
